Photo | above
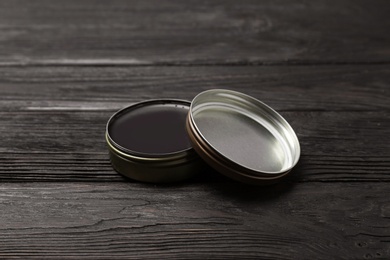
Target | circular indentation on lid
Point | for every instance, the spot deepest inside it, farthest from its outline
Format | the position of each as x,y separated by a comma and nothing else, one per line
242,134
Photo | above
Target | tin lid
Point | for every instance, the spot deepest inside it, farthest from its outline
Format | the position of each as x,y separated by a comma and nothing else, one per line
241,137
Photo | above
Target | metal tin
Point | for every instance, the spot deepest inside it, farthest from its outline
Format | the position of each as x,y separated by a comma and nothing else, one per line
241,137
165,158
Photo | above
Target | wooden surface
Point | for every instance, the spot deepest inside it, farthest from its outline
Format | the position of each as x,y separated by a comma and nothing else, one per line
66,66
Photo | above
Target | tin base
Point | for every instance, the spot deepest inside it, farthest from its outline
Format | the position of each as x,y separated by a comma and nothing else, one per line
155,172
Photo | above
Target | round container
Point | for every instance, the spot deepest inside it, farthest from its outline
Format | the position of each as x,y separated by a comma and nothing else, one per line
241,137
148,142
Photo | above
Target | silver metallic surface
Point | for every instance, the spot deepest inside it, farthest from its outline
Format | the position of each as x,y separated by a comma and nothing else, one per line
245,131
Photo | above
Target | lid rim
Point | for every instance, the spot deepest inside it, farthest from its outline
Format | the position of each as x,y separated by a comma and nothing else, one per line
229,171
208,151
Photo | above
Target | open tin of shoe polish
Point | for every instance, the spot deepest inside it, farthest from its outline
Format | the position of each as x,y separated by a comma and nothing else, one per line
148,142
237,135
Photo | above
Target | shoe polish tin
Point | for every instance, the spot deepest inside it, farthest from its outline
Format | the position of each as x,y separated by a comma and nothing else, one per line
172,140
148,142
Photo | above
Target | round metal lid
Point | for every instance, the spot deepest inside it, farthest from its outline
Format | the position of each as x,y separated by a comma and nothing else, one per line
241,137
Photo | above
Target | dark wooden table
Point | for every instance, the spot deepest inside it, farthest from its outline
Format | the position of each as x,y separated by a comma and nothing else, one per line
66,66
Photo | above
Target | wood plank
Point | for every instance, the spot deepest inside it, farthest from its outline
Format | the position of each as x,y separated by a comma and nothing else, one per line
188,32
229,221
70,146
319,88
53,118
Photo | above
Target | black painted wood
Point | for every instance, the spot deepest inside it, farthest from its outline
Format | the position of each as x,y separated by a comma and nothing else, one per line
46,32
53,119
108,88
70,145
66,66
229,221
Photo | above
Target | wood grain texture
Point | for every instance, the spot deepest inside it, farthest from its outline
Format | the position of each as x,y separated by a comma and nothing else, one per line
285,88
53,119
214,221
75,32
66,66
70,146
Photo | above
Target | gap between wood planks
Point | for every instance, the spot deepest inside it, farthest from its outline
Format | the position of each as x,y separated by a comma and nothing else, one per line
141,63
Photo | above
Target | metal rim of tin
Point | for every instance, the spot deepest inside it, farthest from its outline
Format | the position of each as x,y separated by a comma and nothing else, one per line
164,167
237,107
139,155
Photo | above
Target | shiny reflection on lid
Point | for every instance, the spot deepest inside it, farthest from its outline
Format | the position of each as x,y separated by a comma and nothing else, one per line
245,131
